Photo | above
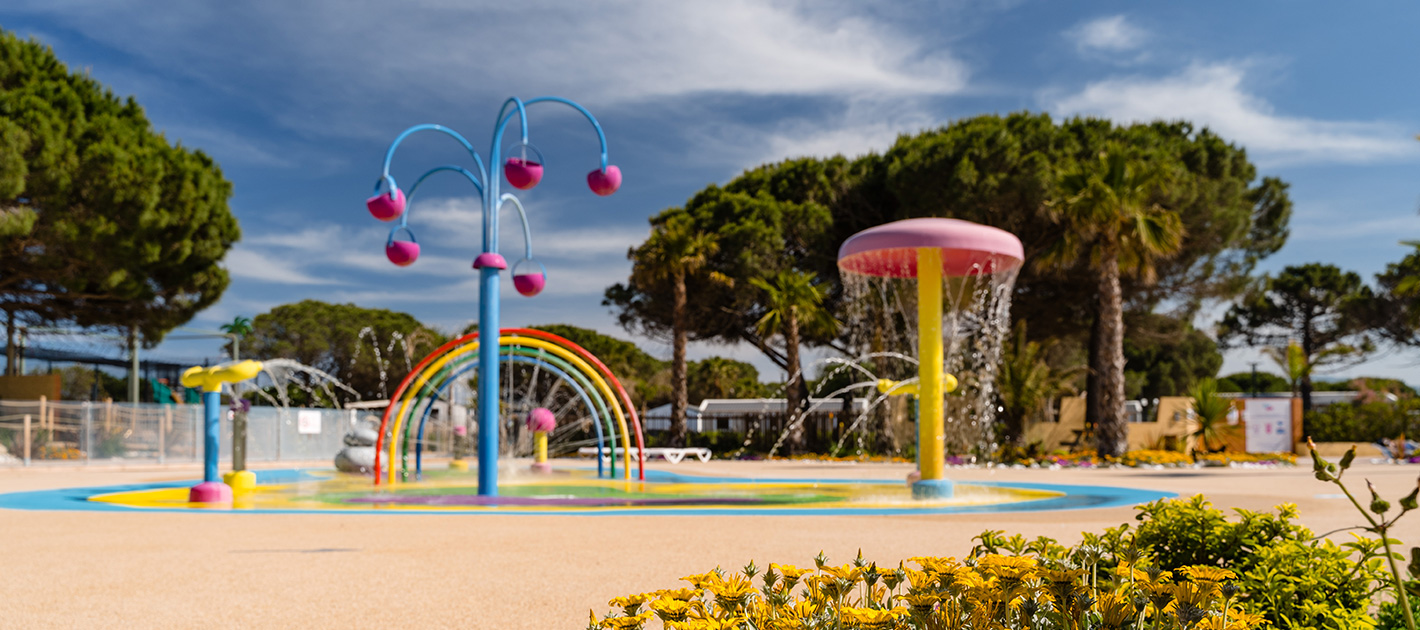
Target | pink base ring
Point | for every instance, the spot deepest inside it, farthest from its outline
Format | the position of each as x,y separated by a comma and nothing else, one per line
210,492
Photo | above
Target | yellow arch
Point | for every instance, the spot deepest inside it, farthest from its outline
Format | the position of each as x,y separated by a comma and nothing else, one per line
514,340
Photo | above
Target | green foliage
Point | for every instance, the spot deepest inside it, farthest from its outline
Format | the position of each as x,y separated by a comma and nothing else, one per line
1364,422
1381,552
1391,617
328,337
1293,361
1301,584
1396,310
1286,576
78,382
1210,411
718,377
642,374
1165,356
1004,171
1320,306
1026,383
239,328
1242,382
793,308
1191,531
103,222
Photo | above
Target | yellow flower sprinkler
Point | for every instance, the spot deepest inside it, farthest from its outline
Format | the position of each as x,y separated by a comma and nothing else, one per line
210,379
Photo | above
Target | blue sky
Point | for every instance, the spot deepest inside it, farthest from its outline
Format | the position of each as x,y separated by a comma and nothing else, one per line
298,101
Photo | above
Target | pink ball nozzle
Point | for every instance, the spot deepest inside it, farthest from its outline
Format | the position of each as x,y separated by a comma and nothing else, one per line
402,253
604,182
529,284
382,207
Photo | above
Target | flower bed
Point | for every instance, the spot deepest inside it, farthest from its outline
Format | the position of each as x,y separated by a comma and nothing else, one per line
1184,566
1082,459
984,591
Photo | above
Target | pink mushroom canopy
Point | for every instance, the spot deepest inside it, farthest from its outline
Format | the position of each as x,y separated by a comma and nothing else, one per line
890,250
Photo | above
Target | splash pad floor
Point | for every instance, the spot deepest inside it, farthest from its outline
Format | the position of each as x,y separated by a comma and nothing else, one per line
128,567
578,491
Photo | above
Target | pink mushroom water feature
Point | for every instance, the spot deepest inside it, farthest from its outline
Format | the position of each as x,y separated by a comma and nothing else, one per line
963,274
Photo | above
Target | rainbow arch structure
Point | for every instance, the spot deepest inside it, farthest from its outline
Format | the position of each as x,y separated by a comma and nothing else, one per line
598,387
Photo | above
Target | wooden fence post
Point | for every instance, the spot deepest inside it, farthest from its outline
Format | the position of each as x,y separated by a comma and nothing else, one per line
163,437
27,439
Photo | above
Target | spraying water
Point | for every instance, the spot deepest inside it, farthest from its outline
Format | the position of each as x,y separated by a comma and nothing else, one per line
956,277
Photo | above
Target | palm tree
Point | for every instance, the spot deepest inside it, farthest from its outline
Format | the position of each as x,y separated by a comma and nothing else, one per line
1211,429
1026,383
793,305
240,327
1109,222
1293,361
674,252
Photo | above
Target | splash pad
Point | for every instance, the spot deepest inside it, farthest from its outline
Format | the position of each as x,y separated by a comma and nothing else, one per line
578,491
961,274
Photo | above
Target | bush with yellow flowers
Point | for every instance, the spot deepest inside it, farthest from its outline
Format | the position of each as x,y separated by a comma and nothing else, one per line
1168,459
58,451
1272,459
985,591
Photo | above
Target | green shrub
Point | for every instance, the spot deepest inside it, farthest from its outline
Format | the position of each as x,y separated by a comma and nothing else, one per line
1310,584
1392,617
1363,422
1285,575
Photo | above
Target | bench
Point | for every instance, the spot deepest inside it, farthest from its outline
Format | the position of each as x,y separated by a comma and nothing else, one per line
672,455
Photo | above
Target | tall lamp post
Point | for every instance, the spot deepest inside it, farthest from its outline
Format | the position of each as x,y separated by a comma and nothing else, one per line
523,170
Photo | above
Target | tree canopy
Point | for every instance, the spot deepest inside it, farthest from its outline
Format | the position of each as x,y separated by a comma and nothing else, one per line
103,222
642,374
332,338
1004,171
1165,356
1319,306
718,377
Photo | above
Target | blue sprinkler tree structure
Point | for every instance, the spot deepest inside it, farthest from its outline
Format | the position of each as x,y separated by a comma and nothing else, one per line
523,171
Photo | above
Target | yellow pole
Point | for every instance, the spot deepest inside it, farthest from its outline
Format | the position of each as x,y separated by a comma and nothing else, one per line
930,431
540,447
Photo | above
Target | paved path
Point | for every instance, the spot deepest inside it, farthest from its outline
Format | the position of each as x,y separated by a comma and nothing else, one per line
164,570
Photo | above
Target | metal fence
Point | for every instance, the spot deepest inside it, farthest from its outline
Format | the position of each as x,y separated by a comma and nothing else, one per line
33,432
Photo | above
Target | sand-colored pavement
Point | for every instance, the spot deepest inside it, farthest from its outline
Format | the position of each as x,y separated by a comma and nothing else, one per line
225,570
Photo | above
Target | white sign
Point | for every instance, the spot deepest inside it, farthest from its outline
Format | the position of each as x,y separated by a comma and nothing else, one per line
1269,425
308,422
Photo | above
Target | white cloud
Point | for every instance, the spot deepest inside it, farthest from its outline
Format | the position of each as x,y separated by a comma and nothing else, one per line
245,263
862,128
335,62
1112,34
1327,228
1214,94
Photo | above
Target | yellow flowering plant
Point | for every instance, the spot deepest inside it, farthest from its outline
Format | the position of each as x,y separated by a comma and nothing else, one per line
985,591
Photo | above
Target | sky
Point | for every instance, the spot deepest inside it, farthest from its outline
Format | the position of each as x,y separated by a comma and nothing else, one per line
298,102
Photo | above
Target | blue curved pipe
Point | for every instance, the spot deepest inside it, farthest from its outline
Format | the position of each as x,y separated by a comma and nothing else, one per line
465,367
389,153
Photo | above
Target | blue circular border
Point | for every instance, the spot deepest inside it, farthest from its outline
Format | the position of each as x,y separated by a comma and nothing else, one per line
1076,497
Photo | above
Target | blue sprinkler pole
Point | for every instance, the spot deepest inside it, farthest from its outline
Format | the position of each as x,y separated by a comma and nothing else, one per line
488,417
211,411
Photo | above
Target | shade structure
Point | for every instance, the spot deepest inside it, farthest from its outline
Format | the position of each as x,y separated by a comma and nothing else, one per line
890,250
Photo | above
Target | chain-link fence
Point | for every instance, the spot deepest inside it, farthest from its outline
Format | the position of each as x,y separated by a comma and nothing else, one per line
34,431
